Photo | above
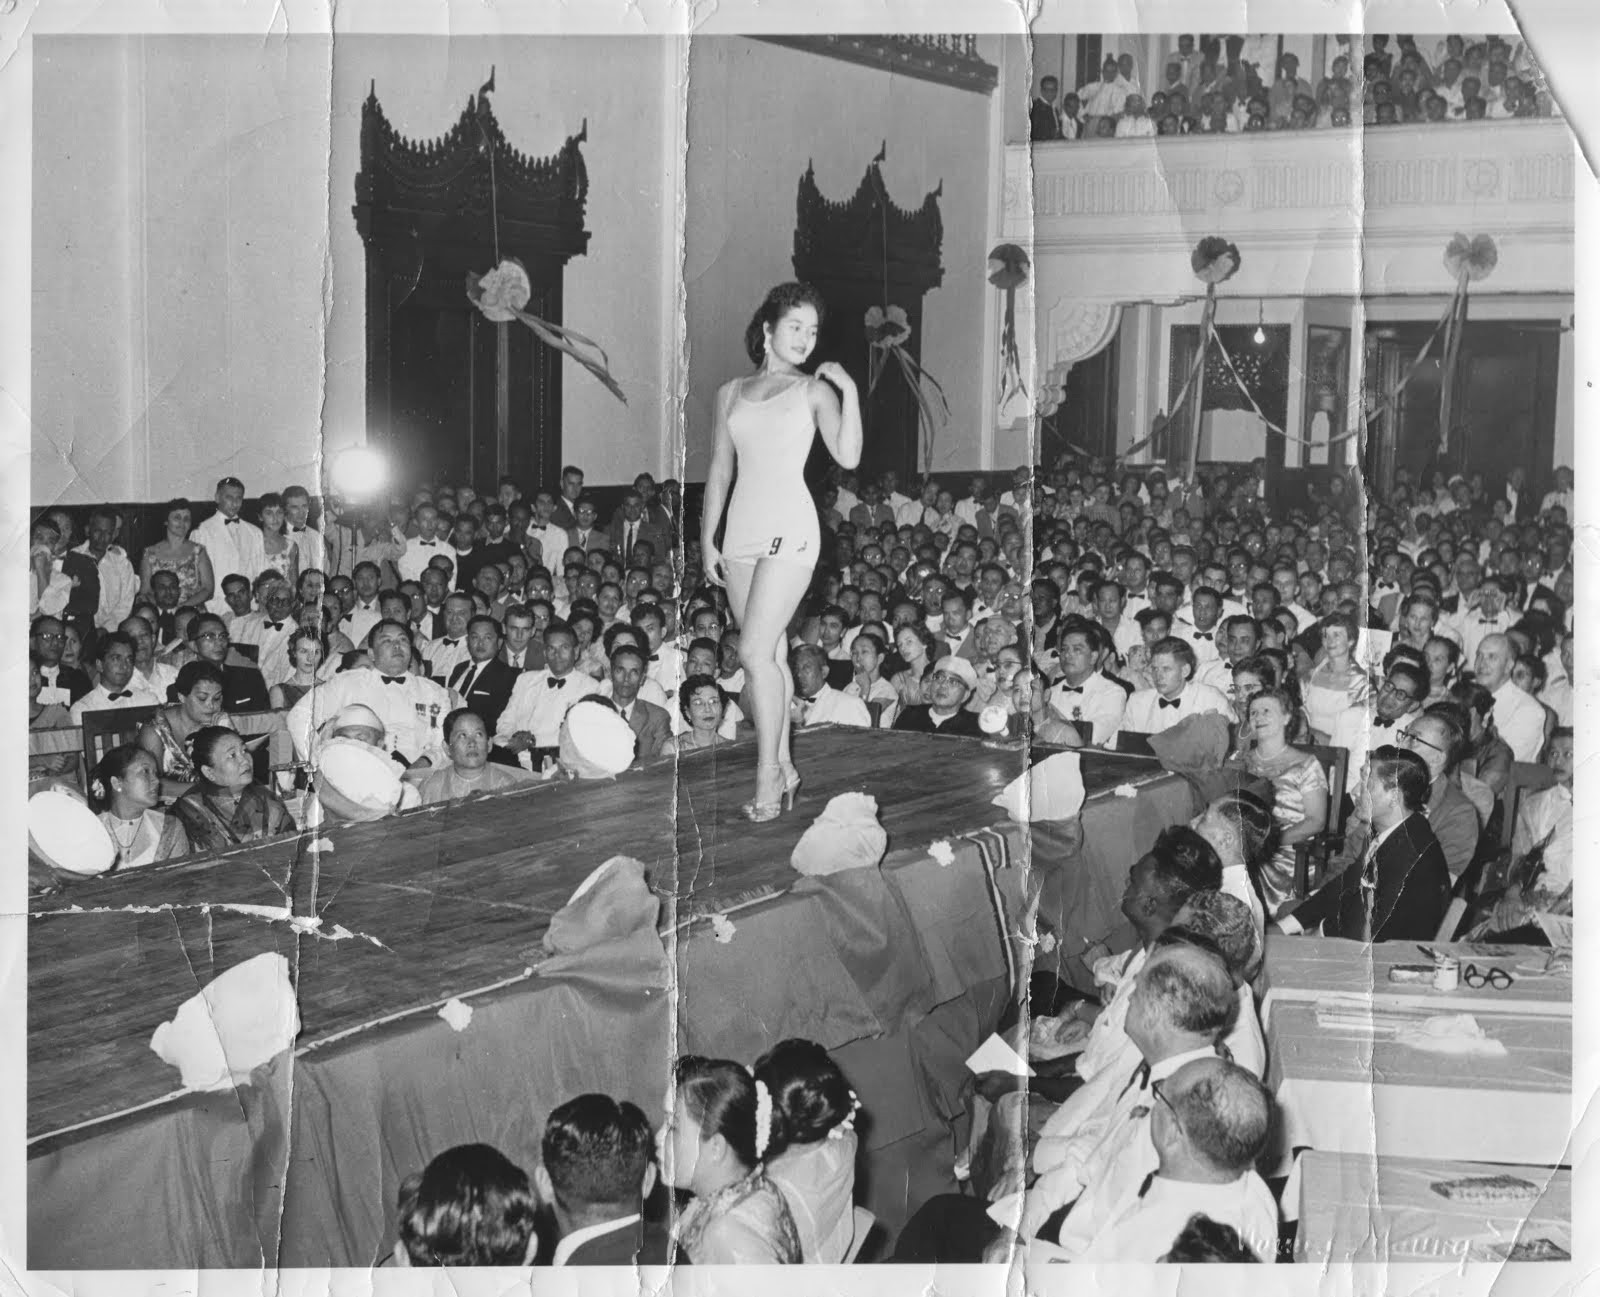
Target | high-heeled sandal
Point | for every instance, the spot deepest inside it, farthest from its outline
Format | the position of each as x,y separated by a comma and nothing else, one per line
762,812
791,784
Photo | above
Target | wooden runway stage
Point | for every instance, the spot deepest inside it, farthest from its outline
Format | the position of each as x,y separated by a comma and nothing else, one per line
447,900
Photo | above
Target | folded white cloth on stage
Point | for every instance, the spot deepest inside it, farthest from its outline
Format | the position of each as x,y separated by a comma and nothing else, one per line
1451,1033
246,1016
1052,790
613,902
846,835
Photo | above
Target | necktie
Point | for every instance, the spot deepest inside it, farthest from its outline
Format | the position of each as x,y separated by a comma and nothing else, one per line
232,522
655,657
1169,702
1140,1078
125,693
1148,1181
466,680
1071,689
557,682
394,680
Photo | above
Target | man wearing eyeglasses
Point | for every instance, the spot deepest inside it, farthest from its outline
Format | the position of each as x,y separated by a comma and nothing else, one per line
1435,738
1398,698
950,684
243,687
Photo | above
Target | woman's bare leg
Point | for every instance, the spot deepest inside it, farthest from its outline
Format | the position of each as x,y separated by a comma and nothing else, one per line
764,596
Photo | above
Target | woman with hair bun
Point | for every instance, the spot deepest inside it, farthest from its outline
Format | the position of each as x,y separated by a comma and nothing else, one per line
712,1145
812,1156
124,788
765,423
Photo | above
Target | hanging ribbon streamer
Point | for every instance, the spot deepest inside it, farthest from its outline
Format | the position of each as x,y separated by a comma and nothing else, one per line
887,333
1468,260
504,291
1008,271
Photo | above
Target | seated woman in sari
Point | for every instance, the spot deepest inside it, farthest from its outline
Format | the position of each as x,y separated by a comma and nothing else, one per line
123,789
226,807
470,772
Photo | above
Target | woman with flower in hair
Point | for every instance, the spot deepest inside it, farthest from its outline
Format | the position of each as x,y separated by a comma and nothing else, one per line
712,1145
124,788
812,1154
766,423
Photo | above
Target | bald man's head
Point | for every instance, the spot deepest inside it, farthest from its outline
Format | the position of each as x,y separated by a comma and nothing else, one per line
1220,1111
1496,656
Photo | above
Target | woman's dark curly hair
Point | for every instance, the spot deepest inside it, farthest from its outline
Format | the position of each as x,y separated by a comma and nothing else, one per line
779,302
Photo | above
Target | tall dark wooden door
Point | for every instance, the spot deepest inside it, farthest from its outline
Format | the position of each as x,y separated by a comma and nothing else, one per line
450,394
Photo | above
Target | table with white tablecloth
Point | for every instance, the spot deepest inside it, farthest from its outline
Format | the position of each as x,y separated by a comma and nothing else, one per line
1355,1209
1347,1081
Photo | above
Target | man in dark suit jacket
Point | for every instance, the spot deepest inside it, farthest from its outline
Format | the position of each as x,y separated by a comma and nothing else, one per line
1042,122
565,514
46,639
950,684
586,536
630,524
595,1172
651,724
243,688
1400,889
484,681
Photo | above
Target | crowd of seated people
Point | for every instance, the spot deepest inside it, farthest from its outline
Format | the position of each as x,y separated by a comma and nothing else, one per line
759,1162
1226,85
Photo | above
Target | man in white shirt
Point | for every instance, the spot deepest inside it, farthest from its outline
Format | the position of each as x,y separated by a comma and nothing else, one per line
411,708
1110,600
232,544
1105,97
450,650
270,631
967,509
364,613
1518,718
1562,495
1083,693
1239,638
311,547
1208,1125
1366,726
531,722
421,548
119,583
549,536
816,702
1490,617
117,687
1176,696
149,672
1199,629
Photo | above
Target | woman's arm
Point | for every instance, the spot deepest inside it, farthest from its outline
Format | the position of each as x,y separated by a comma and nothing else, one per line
208,579
838,417
1314,819
718,477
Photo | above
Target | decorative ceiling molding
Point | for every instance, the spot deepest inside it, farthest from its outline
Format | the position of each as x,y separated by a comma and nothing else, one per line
947,60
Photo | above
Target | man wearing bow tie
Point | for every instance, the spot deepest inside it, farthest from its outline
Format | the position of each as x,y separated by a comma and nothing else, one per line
270,630
1176,696
664,662
1199,630
447,652
117,687
530,727
411,708
1490,617
1083,693
232,544
816,702
1110,598
483,680
312,547
422,547
548,537
62,684
364,612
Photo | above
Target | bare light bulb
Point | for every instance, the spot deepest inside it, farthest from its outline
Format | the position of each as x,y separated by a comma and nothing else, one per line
1259,337
359,471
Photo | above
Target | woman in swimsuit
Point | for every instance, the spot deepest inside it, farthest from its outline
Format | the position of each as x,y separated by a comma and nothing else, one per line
766,423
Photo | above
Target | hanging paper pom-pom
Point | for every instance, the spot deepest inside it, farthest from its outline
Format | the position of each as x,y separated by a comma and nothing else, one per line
1475,258
1008,266
503,292
887,328
1214,260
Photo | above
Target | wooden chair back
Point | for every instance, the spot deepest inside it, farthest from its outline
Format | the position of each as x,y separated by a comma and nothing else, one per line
1311,856
875,708
108,728
1526,777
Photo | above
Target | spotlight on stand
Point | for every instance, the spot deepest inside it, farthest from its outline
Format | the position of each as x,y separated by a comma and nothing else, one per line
359,473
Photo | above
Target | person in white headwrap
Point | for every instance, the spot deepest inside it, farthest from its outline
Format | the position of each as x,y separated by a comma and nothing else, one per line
356,778
596,743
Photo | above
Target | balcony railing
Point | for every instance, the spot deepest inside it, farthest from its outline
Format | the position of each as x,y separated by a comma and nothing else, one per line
1370,196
